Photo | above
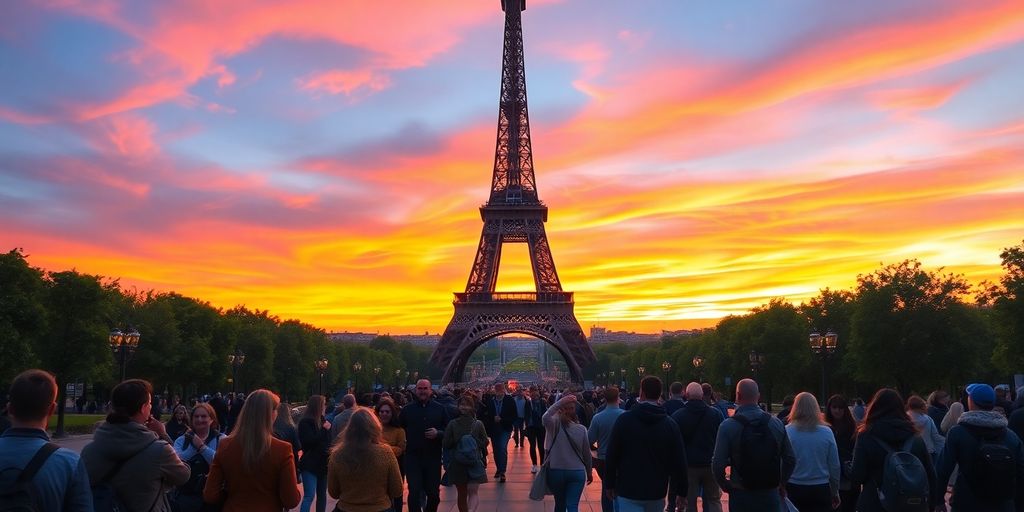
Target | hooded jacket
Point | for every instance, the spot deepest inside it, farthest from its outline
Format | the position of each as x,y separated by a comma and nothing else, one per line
645,455
962,444
699,423
151,468
869,460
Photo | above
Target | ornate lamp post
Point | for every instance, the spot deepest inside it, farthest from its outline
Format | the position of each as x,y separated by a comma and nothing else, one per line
640,371
376,375
622,377
398,375
321,368
698,365
756,362
824,346
356,368
666,367
236,361
123,345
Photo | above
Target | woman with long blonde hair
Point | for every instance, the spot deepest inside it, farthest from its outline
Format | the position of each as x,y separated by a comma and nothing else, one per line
814,485
362,473
252,470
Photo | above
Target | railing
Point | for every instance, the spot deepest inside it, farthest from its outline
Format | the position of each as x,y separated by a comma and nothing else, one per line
544,297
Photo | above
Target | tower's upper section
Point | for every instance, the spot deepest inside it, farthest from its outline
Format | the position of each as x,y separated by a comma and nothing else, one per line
513,182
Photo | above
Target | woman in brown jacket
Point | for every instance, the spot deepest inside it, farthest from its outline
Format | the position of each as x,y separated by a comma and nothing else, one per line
253,471
362,472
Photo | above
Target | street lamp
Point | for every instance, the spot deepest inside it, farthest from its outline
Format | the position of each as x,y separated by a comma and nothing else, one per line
398,376
666,367
321,367
376,374
622,377
698,365
235,360
356,368
824,347
756,362
123,344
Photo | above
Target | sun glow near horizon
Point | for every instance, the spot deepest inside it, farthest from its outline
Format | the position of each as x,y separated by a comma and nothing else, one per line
325,162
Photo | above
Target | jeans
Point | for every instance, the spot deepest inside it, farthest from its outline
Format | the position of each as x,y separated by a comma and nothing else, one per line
423,475
567,486
628,505
607,505
517,432
810,498
313,484
535,435
702,478
754,501
499,446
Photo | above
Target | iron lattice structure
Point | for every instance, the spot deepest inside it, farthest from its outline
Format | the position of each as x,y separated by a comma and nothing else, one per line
513,213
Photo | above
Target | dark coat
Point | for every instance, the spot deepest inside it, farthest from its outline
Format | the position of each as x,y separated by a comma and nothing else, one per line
416,418
937,413
316,445
698,424
962,444
509,415
645,455
869,460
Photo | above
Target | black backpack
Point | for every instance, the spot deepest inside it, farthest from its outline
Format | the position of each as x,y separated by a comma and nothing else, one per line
904,485
199,469
104,496
20,496
993,475
760,463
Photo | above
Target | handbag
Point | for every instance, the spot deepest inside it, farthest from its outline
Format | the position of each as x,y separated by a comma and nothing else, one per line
540,487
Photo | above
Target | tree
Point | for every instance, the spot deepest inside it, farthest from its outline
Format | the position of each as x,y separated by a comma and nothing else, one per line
1007,302
910,328
75,345
22,315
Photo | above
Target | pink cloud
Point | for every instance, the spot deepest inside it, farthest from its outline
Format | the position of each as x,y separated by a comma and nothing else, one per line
347,82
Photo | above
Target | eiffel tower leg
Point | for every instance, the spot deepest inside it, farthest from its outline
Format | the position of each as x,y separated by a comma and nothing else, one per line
544,273
484,275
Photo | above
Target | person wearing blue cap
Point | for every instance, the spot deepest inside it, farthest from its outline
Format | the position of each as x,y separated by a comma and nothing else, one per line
990,457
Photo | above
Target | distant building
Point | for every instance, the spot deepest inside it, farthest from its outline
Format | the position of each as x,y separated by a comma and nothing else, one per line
421,340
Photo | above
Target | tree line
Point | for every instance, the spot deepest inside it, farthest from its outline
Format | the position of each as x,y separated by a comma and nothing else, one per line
901,326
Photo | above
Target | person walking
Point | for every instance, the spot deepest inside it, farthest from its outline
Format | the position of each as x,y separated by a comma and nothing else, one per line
424,421
340,419
535,427
676,398
466,471
197,448
698,425
917,409
518,425
887,428
600,432
55,479
285,430
646,456
814,484
363,471
253,471
502,408
568,451
315,438
131,452
952,417
938,406
844,429
392,435
989,455
755,445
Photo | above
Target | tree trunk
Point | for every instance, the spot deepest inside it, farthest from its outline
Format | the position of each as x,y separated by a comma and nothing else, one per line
62,391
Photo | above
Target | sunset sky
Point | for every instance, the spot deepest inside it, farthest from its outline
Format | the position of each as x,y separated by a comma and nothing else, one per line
326,160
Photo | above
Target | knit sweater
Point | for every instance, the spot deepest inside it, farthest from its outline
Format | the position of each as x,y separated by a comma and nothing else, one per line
817,457
395,438
568,444
368,486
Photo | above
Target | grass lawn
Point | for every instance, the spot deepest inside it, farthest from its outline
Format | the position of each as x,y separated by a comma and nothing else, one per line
77,423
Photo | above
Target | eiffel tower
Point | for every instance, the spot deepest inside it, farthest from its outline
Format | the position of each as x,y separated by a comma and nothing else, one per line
513,214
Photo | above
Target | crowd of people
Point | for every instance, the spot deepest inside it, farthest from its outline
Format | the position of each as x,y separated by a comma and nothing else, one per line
652,453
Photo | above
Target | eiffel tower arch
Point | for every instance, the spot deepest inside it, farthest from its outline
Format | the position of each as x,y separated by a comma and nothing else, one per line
513,213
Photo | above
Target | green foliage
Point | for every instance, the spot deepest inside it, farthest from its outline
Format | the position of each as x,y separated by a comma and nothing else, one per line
22,315
1007,302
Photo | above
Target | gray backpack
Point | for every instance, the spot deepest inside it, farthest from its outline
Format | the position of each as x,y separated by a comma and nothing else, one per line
904,486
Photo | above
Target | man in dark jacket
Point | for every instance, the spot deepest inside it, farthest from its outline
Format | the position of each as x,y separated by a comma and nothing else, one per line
992,488
675,399
698,424
645,455
502,411
938,406
424,421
